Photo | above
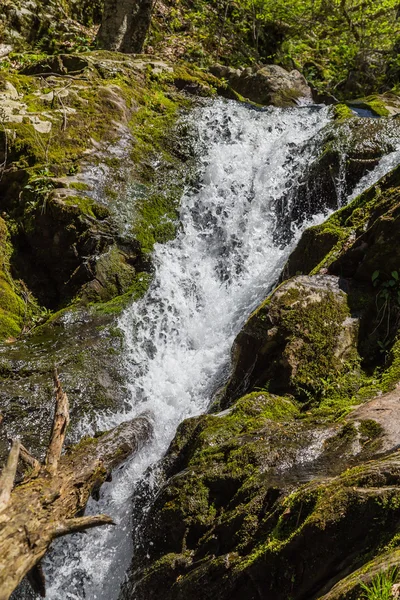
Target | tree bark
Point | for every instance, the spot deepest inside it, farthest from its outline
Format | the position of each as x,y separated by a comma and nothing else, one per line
125,25
44,506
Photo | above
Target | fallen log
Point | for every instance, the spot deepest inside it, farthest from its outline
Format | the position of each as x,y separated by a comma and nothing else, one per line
46,503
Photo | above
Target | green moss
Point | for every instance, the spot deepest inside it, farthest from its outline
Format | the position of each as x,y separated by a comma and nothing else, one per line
135,291
314,328
9,327
391,375
342,112
156,220
373,103
80,186
370,429
87,206
249,414
14,310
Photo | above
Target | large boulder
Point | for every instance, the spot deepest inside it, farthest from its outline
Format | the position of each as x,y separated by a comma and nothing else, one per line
269,85
239,517
352,147
352,241
86,346
301,334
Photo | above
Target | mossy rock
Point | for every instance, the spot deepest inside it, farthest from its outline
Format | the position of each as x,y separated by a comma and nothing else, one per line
352,147
383,105
358,243
86,348
235,515
339,237
302,334
343,112
14,310
268,85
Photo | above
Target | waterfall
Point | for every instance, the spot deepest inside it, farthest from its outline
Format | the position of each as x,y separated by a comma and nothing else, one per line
225,259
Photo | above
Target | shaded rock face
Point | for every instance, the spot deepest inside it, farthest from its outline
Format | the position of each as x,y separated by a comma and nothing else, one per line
355,243
303,332
61,250
270,85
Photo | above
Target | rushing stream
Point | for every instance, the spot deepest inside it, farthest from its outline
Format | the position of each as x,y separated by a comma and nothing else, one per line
225,259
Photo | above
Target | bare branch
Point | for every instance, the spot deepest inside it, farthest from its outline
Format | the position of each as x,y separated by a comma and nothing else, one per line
8,475
60,424
29,460
81,524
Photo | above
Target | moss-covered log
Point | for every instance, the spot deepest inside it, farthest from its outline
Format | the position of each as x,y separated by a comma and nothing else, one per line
44,506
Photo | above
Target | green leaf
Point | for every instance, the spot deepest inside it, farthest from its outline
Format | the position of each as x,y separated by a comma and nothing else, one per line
375,275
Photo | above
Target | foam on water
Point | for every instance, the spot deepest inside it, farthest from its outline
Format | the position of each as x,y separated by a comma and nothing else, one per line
206,283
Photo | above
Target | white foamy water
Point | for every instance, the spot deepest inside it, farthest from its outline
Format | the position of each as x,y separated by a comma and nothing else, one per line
207,281
386,164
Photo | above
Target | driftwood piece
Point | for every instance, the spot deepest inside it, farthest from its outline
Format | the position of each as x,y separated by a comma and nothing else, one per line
44,506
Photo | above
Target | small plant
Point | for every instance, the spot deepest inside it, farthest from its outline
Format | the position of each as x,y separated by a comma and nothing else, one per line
380,587
39,185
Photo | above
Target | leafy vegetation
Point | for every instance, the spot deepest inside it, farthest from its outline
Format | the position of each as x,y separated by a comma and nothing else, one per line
380,587
327,39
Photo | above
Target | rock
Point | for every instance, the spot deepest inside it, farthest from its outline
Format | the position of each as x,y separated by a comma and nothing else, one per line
42,126
10,91
268,85
342,237
62,64
87,348
13,304
256,500
380,105
352,148
303,332
5,50
383,415
354,243
76,245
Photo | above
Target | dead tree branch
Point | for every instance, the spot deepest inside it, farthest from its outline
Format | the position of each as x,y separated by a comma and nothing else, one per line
44,506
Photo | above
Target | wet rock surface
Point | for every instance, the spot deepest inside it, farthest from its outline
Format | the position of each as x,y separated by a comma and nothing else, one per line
254,506
87,349
352,148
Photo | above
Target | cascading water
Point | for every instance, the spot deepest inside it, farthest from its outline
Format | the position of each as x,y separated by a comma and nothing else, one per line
224,260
